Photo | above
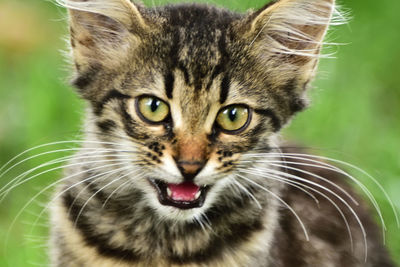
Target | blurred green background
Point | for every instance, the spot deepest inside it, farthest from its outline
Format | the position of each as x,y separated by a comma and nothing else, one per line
355,112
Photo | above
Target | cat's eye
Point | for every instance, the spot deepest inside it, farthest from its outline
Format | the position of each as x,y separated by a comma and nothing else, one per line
233,119
152,109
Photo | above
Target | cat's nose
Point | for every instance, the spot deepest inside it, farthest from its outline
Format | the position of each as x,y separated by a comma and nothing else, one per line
190,155
189,169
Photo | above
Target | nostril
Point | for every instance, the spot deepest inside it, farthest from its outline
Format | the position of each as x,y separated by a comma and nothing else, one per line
190,169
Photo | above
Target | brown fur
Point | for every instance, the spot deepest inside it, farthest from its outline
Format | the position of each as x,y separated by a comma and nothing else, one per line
198,59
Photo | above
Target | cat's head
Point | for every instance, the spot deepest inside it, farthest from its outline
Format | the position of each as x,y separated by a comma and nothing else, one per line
190,90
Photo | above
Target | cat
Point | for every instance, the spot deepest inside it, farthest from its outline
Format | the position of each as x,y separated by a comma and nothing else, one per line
181,164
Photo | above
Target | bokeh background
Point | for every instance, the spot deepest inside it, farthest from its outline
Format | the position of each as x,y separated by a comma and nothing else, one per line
355,112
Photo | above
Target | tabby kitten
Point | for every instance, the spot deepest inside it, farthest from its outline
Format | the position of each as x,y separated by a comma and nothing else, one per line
180,165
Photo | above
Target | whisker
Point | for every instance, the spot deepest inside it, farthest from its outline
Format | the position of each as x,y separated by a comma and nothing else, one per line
4,193
104,176
78,183
280,200
98,191
207,221
56,161
96,150
327,166
113,192
37,195
244,189
331,192
35,156
282,179
199,222
366,174
56,143
203,221
377,208
285,166
366,191
298,186
21,176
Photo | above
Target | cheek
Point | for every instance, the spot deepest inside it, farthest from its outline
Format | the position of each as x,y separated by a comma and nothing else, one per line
220,164
169,166
209,173
158,154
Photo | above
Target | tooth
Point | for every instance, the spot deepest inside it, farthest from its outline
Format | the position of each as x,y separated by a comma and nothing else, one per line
169,192
197,194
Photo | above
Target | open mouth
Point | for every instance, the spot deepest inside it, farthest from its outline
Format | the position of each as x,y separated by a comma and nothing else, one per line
186,195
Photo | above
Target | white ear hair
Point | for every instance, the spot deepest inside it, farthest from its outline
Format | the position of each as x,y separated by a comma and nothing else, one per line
296,27
122,11
103,31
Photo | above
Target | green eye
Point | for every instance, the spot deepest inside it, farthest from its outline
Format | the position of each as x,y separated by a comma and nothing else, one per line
233,118
152,109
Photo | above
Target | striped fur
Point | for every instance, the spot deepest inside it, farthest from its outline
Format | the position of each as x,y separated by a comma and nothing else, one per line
198,59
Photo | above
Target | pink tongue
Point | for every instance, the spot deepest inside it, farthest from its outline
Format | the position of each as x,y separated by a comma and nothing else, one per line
184,192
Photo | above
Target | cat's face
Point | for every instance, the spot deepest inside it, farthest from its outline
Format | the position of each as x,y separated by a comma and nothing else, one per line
188,91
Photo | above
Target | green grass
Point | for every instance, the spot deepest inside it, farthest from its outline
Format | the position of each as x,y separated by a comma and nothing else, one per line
354,116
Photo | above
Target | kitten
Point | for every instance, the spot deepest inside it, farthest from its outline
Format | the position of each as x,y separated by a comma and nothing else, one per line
180,165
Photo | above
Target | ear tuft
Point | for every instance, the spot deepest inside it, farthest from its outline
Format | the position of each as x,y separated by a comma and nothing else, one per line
286,36
102,31
293,27
122,11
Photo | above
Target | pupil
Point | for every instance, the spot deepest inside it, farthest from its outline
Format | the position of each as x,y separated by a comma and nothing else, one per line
154,105
232,114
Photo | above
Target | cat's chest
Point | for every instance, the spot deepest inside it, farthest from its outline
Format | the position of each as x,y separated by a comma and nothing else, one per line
112,247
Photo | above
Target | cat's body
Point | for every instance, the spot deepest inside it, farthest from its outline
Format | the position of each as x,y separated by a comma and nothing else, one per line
179,166
238,234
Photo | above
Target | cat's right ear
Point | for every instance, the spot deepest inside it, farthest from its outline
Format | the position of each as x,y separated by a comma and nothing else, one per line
288,34
102,32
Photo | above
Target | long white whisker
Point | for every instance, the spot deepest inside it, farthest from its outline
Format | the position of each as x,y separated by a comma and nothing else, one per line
35,156
309,173
299,187
63,150
98,191
366,174
21,176
274,163
366,191
86,155
282,179
331,192
244,189
113,192
280,200
78,183
105,175
327,166
42,191
3,194
56,143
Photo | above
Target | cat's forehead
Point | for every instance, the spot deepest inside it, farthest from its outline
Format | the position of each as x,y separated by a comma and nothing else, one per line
197,17
191,53
195,40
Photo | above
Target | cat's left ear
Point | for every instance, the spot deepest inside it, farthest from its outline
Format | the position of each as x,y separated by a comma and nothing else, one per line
102,29
103,33
289,31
